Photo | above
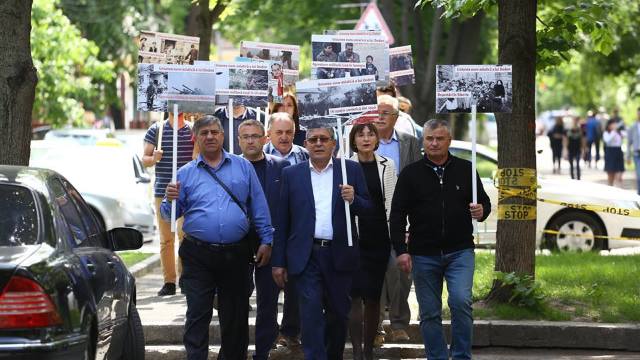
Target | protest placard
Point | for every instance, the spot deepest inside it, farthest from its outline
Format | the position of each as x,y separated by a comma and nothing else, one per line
349,55
163,48
322,102
401,64
283,63
246,83
458,87
162,85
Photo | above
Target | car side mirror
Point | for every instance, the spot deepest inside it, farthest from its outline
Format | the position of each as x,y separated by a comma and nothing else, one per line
124,239
143,178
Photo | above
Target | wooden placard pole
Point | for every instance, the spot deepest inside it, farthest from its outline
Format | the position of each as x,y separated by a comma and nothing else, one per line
174,166
343,165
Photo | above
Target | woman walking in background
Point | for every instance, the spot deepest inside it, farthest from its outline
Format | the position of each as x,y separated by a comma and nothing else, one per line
613,159
576,144
375,244
556,140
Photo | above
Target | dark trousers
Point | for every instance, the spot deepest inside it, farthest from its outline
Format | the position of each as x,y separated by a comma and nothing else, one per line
574,159
205,271
323,295
587,155
290,311
266,313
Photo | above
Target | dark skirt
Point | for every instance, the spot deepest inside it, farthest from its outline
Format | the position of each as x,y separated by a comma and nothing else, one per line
368,279
613,159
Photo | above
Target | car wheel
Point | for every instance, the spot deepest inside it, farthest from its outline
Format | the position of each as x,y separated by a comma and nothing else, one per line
576,231
134,342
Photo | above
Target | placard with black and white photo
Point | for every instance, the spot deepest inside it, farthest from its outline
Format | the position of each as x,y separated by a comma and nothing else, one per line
247,83
401,64
163,48
322,102
162,85
489,87
339,56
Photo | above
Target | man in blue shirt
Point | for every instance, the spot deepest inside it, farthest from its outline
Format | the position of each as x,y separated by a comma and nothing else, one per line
214,253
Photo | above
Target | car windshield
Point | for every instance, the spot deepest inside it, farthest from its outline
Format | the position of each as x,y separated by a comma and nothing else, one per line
484,165
18,216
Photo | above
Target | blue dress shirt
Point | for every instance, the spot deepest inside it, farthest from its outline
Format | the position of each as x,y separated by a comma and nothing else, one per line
209,212
391,150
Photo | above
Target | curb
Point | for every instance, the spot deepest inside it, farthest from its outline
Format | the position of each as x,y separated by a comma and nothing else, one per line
486,333
145,266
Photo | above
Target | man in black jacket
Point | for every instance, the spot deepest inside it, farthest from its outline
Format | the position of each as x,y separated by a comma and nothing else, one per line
435,193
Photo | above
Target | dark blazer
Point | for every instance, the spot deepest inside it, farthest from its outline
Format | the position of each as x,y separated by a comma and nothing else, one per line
409,149
293,240
273,181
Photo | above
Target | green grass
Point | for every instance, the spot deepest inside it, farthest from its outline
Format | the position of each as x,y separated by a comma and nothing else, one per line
132,257
577,287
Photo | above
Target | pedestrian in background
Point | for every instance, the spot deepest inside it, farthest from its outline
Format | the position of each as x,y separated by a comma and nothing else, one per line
633,147
593,133
613,157
575,147
556,141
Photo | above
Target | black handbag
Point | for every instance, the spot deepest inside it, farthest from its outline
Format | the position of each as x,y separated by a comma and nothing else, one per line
251,238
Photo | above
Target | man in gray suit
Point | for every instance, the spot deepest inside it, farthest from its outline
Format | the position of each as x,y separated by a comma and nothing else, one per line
403,149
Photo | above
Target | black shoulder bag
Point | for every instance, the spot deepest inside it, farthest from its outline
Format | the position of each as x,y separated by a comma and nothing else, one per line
251,238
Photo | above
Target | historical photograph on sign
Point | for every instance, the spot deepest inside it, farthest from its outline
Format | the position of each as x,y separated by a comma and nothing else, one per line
339,56
151,84
401,64
283,61
322,102
162,48
247,83
489,87
162,85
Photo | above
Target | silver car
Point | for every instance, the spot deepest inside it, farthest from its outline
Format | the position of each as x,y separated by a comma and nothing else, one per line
111,179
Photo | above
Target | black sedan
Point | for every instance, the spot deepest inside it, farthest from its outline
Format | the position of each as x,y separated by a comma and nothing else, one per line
64,293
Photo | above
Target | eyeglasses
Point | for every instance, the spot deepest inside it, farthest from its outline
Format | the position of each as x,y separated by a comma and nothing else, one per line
207,132
386,113
321,139
254,137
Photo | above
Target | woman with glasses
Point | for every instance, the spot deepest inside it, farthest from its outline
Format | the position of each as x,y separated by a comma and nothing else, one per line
380,176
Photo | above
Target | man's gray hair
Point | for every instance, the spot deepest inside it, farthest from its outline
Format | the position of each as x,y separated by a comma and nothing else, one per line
332,132
207,120
389,100
281,115
251,122
436,123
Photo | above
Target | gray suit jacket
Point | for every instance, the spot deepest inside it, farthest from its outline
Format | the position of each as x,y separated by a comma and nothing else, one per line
409,149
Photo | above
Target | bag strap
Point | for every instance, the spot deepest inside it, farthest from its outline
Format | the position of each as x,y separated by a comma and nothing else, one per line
217,179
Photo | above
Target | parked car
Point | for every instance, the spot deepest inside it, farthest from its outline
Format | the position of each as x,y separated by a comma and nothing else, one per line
111,179
577,229
64,294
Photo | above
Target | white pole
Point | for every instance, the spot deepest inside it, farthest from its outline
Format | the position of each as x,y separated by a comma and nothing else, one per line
258,114
174,165
160,131
230,118
474,180
266,117
343,165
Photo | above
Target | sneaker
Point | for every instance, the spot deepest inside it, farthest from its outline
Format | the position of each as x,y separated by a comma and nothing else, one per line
378,341
288,341
167,289
399,335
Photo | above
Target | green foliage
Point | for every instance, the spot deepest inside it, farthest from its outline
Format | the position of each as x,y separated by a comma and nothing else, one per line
70,74
525,291
456,8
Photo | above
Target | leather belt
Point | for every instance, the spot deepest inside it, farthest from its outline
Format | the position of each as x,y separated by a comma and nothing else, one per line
322,242
215,246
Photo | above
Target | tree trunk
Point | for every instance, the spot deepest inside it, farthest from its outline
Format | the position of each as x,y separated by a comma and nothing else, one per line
206,19
18,80
515,243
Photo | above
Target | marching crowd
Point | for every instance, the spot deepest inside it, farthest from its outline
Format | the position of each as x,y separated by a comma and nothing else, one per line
274,218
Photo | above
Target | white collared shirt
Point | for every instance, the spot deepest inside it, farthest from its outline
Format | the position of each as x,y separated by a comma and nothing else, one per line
322,184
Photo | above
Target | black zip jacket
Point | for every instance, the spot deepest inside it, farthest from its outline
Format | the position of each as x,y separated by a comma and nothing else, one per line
437,207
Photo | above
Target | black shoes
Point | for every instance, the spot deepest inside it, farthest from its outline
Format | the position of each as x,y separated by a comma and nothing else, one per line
167,289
